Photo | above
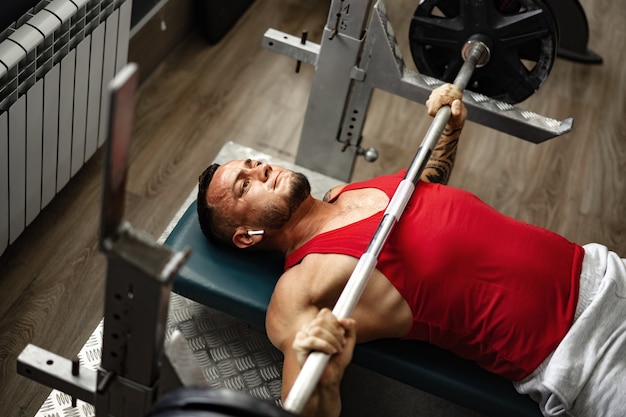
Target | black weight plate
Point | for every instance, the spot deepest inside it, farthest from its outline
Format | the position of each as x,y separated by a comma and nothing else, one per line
523,35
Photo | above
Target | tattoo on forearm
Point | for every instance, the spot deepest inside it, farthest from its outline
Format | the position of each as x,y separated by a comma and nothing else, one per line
439,166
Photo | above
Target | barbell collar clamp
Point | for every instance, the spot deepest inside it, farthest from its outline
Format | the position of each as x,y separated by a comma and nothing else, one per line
486,45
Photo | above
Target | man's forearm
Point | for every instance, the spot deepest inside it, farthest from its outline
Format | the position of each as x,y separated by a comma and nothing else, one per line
439,166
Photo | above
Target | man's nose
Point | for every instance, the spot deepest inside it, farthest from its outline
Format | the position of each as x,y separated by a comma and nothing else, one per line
262,172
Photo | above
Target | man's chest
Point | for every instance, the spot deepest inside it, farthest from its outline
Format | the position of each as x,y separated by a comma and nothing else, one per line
357,205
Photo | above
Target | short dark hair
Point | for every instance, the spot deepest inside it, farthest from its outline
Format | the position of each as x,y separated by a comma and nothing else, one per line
207,214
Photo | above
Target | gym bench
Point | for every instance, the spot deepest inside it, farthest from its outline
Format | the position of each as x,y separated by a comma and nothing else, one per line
240,283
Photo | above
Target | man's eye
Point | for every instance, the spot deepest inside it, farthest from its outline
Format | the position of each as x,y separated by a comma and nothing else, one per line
245,185
258,163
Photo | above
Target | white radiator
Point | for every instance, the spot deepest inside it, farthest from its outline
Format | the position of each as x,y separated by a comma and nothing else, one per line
55,65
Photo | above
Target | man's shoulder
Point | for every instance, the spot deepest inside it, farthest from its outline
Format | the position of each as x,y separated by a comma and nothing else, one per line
315,281
296,283
291,305
321,266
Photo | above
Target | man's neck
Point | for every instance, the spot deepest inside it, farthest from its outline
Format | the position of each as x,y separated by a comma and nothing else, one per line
308,221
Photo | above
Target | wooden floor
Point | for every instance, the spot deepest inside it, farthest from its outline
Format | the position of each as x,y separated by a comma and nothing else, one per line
51,279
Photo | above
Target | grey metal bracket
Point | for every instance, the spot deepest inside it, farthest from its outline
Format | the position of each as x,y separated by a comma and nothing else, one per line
140,275
133,371
351,61
56,371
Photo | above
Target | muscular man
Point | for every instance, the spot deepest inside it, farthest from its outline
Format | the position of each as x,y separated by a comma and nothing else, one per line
520,301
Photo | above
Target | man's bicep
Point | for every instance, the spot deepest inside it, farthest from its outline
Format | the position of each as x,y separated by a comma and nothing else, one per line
286,314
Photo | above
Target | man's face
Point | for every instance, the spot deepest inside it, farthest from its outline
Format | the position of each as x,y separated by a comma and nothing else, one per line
254,194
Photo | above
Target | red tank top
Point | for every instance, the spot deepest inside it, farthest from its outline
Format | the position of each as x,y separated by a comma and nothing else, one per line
480,284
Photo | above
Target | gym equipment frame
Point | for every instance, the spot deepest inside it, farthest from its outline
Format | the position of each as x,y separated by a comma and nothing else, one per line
353,59
134,371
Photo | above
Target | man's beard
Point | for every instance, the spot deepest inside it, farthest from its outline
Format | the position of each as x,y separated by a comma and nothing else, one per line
275,217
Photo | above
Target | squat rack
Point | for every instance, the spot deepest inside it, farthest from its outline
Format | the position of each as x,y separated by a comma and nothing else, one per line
353,59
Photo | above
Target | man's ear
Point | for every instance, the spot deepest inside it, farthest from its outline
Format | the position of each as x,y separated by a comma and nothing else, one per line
243,240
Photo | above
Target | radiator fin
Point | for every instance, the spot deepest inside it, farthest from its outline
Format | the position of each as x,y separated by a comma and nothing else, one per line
55,64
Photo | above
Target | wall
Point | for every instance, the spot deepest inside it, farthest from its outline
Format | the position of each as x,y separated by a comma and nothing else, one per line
140,9
13,10
159,34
